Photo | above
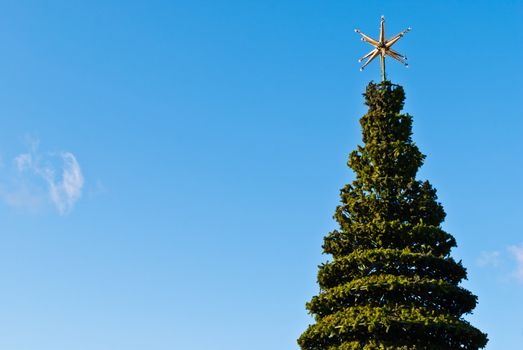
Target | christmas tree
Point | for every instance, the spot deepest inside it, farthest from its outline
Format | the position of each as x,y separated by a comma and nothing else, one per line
392,283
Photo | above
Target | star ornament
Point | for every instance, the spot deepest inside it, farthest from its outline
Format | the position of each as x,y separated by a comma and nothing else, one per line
382,47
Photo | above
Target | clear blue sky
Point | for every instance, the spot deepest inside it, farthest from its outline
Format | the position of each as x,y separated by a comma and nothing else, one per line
204,144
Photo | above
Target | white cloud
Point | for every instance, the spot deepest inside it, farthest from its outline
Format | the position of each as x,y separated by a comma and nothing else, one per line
65,191
517,253
23,197
38,178
23,161
488,259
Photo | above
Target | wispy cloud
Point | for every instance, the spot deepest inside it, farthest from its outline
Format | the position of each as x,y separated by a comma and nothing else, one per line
489,259
23,161
23,197
517,253
55,178
65,191
508,263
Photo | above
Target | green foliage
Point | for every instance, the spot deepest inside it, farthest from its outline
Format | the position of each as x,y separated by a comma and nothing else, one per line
392,284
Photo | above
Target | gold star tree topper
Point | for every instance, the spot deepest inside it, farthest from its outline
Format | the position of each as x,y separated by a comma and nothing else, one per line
382,48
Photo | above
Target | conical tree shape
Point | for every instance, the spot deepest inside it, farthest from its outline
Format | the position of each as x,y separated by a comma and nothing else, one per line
392,283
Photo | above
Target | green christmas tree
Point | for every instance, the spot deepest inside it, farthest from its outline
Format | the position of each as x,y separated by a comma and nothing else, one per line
392,283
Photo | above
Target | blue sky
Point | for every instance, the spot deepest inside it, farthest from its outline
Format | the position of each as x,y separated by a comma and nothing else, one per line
169,168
